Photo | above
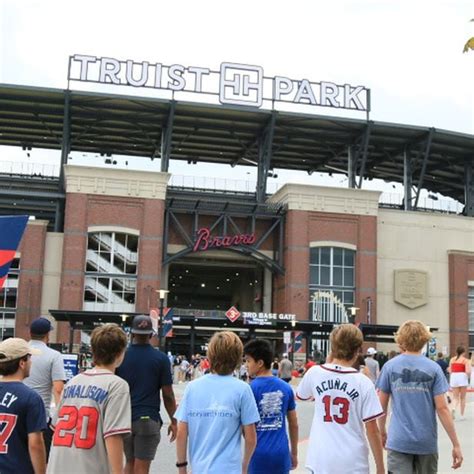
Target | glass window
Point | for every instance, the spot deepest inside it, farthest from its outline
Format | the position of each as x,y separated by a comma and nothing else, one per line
111,272
326,255
314,255
332,271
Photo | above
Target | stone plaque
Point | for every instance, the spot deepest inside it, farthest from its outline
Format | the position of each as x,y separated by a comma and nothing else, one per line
411,288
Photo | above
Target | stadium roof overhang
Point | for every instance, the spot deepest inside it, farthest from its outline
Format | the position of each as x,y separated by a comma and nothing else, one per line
109,124
87,320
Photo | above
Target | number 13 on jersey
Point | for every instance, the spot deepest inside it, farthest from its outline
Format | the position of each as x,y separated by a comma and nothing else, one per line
336,409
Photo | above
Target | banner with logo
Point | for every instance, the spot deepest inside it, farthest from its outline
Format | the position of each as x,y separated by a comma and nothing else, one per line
11,232
298,341
168,322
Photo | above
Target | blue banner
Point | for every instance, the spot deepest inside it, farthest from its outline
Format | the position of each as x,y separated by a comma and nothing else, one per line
11,232
168,322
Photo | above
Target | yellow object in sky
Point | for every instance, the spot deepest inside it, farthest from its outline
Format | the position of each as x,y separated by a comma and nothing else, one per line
469,45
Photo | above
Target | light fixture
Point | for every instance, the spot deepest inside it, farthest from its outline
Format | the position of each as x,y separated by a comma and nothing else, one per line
162,294
203,285
218,287
236,274
227,279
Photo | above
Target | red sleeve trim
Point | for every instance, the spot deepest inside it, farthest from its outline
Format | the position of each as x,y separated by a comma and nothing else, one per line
303,399
370,418
117,431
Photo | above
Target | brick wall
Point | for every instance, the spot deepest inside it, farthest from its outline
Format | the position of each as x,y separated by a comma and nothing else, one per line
461,270
32,249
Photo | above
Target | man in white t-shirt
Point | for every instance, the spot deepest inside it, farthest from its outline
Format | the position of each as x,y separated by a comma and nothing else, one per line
372,364
345,401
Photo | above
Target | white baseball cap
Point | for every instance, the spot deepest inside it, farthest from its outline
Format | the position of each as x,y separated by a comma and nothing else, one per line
371,351
15,348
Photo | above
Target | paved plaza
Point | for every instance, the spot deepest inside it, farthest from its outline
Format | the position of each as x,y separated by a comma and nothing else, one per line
166,456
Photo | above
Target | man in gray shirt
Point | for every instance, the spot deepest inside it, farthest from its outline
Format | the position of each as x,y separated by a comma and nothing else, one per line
285,369
372,364
47,371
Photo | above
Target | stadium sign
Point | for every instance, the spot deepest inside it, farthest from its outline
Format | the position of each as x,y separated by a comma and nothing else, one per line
266,319
205,240
236,84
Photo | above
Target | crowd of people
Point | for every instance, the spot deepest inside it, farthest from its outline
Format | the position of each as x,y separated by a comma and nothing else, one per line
111,412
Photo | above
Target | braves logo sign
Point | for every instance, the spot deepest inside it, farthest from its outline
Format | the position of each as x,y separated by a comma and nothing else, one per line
205,241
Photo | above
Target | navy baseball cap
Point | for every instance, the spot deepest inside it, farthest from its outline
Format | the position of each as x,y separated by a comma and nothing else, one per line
141,324
40,326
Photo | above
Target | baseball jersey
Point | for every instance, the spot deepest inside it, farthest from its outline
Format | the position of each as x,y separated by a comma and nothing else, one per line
344,399
95,405
21,412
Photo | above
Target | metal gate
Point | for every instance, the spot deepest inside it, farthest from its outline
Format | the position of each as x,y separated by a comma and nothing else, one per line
326,307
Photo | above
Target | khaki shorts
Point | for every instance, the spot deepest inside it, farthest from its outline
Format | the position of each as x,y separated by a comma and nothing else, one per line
143,442
405,463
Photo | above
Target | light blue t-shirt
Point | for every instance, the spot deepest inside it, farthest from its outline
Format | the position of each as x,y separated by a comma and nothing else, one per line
215,407
413,382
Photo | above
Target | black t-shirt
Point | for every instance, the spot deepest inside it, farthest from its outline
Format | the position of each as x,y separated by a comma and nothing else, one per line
21,412
444,366
146,370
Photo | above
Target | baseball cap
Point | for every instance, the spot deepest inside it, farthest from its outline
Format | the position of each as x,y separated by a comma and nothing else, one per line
15,348
141,324
371,351
40,326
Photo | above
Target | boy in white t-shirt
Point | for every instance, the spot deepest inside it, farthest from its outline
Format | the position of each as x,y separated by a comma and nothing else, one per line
345,401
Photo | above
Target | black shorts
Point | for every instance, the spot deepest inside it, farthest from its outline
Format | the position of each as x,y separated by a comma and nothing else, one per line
48,434
143,442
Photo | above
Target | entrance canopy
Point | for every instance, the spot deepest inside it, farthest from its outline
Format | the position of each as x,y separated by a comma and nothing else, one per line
87,320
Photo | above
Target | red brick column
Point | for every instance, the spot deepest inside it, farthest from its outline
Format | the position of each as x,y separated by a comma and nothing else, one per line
291,293
150,255
74,258
32,248
461,270
366,268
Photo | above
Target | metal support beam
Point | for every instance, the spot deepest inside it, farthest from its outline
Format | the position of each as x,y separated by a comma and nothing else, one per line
166,138
407,180
351,166
426,156
65,150
265,148
469,188
363,150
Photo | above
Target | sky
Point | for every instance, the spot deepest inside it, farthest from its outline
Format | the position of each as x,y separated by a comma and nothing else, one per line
408,52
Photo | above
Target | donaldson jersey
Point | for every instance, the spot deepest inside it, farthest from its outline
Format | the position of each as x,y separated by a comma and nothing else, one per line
344,400
21,413
95,405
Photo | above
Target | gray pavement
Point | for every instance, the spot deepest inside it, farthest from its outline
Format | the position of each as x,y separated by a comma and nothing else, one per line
166,456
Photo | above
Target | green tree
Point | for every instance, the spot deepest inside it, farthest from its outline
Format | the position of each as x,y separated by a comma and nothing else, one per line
469,44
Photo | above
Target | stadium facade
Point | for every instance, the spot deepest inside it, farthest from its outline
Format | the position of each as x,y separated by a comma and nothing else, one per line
104,240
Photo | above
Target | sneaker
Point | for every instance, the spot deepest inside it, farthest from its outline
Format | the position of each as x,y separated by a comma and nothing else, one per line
462,417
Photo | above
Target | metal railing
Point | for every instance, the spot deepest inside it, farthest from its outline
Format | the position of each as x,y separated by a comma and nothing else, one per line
22,168
220,184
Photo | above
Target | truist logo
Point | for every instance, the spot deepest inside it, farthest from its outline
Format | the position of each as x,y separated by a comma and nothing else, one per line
205,241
